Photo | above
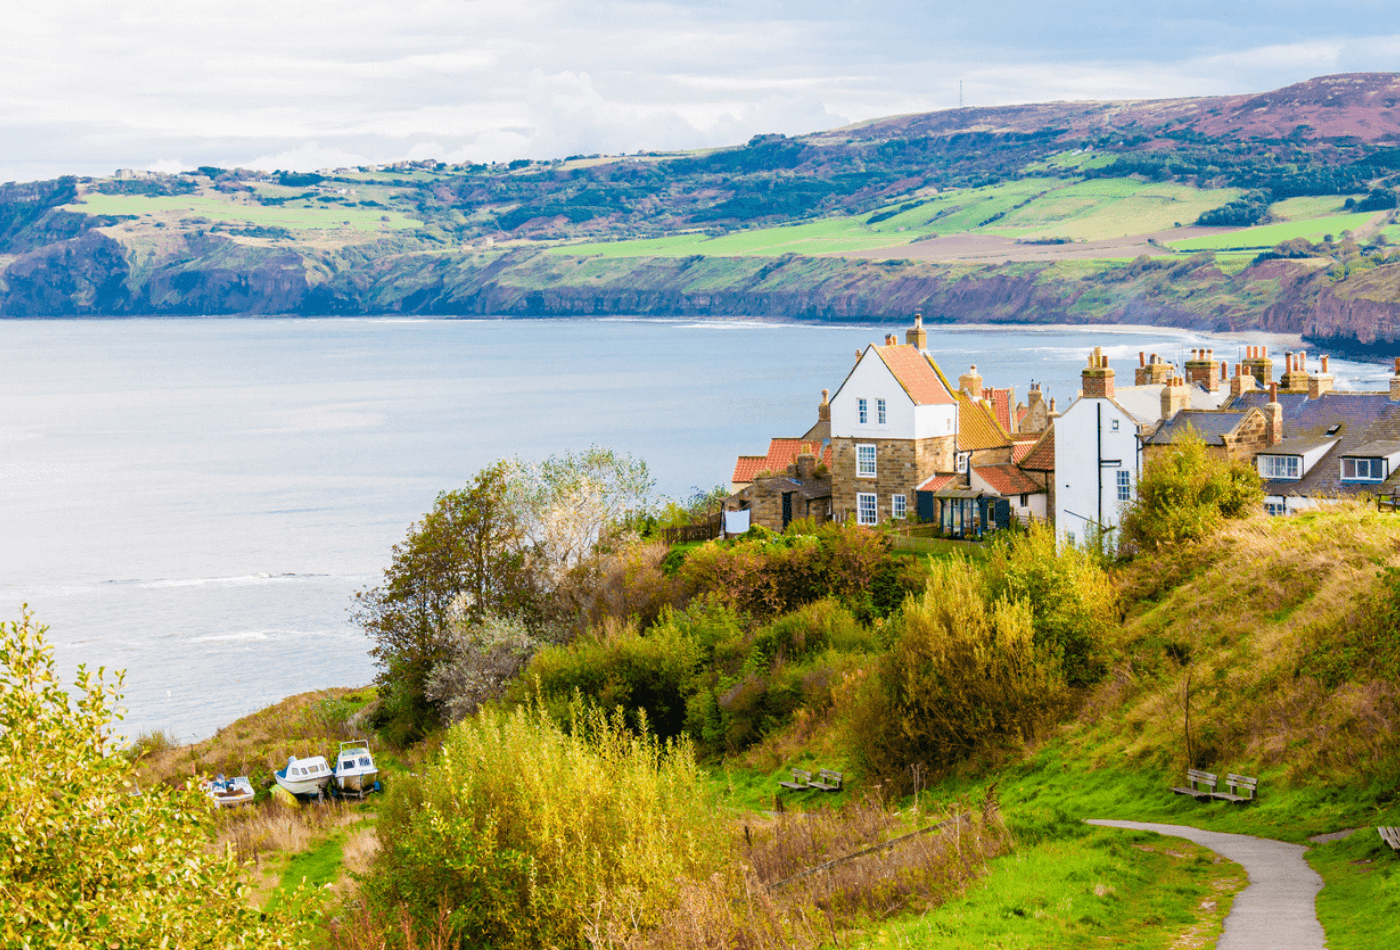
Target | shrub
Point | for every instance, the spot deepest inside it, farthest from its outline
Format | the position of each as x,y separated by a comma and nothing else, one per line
481,660
962,677
1186,495
622,669
1073,602
525,835
84,862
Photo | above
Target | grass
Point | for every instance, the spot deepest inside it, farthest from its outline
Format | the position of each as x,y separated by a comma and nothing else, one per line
306,216
1088,210
1123,889
1360,906
1268,235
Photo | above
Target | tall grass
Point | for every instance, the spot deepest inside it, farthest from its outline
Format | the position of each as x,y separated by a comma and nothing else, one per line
528,834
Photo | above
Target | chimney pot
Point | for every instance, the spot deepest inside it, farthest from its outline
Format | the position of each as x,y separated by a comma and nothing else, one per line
1397,366
1224,371
1142,358
1273,392
1324,364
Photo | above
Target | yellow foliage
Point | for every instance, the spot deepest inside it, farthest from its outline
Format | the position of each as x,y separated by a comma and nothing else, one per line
87,860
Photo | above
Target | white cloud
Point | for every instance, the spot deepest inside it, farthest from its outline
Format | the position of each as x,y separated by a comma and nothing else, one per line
92,84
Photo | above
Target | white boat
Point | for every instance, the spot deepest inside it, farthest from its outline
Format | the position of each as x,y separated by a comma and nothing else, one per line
228,792
355,771
308,776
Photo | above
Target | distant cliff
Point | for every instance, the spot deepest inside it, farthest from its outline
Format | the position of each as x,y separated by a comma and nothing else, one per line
94,274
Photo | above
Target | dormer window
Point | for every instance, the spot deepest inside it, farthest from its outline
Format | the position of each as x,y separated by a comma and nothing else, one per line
880,411
960,462
863,409
1363,470
1281,466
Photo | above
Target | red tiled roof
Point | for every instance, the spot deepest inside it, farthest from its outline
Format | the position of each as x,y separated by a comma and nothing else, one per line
1007,479
1001,405
1041,457
916,374
781,454
1019,450
977,427
935,482
1021,413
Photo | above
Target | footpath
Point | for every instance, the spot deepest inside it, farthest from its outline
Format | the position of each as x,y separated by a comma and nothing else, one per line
1277,909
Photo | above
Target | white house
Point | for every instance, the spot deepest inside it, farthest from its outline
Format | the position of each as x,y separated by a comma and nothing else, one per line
1098,457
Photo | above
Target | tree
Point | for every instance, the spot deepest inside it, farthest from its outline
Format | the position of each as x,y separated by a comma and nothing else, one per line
481,659
86,860
466,560
1186,495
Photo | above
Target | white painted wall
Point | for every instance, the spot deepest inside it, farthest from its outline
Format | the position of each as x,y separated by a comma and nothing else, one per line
1084,436
873,380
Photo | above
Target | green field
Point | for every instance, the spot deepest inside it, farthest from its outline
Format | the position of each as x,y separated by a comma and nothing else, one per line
1268,235
1030,207
304,216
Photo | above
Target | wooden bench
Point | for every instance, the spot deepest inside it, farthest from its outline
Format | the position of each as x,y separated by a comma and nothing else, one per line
801,780
1199,785
829,781
1238,784
1391,836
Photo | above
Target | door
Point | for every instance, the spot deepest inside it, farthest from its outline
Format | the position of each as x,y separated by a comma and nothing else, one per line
787,509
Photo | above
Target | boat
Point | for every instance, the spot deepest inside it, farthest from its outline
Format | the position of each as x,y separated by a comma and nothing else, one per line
355,771
228,792
305,777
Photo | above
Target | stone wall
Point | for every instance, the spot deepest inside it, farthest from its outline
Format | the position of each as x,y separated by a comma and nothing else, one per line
900,466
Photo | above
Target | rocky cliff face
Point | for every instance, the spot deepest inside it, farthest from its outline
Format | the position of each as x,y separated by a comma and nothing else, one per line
95,274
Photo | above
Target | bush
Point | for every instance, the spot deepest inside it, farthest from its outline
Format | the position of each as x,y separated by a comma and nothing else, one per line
1073,602
1186,495
963,677
84,862
527,835
621,669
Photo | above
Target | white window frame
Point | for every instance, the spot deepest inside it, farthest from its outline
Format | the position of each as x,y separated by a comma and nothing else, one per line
1280,467
880,416
899,506
866,453
863,410
960,462
867,508
1115,425
1373,466
1275,508
1124,481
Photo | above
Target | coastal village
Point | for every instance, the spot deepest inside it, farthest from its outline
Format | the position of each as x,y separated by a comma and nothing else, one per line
898,441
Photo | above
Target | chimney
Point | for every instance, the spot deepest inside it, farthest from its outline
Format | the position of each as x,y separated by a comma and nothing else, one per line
1295,379
1176,396
1258,365
858,353
1155,372
1273,417
1242,383
806,466
824,407
1320,383
1097,376
917,335
1202,368
1053,413
891,340
971,383
1395,382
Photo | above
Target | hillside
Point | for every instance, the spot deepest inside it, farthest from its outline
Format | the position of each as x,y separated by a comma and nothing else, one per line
971,214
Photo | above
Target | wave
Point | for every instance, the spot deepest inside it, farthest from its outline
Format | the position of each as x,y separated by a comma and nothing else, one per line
239,580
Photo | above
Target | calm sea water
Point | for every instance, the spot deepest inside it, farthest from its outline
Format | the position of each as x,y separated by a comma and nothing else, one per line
196,501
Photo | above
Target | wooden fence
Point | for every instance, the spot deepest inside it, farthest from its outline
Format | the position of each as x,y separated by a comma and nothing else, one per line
704,531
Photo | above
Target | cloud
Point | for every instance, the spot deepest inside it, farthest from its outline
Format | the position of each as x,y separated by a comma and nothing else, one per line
92,85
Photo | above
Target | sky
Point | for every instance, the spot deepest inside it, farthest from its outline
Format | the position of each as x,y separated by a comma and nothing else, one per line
95,85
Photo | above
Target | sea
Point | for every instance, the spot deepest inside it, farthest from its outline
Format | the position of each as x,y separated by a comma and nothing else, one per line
196,501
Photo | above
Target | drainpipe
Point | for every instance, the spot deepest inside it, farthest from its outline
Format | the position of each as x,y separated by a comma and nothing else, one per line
1098,432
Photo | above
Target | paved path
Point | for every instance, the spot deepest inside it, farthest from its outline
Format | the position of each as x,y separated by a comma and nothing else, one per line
1277,910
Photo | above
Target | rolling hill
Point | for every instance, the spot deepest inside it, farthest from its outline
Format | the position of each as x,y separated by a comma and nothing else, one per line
1274,211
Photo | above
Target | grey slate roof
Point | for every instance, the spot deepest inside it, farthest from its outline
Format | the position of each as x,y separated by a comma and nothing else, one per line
1364,419
811,488
1210,425
1302,445
1373,450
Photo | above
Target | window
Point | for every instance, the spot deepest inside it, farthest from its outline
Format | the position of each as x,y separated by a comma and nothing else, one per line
1025,500
865,461
1115,425
1274,508
863,407
1280,466
1363,470
899,506
960,462
866,511
880,411
1125,485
